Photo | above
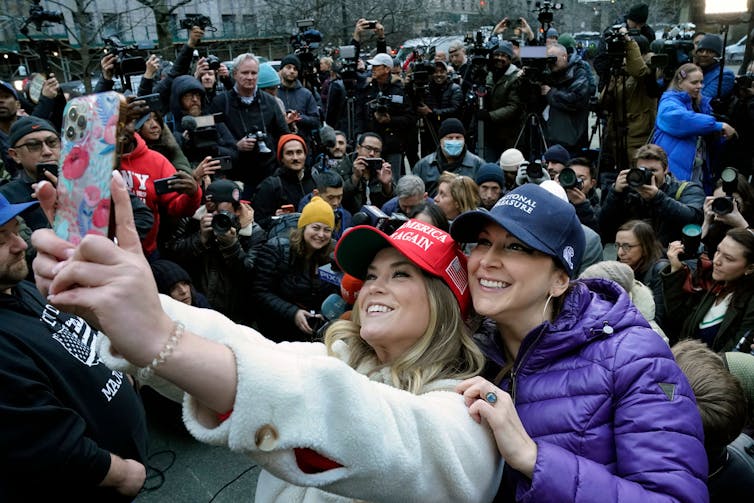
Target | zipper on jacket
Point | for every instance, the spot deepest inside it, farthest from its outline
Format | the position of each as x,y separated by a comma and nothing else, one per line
517,367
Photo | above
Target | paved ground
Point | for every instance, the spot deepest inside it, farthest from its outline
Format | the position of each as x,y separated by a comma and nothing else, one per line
193,472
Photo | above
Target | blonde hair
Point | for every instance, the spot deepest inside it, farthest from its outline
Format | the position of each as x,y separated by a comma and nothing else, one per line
681,74
463,190
444,351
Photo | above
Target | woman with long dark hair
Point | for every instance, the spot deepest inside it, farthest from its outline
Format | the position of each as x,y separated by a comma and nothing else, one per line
715,305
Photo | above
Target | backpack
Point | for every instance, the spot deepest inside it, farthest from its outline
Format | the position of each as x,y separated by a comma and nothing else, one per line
281,225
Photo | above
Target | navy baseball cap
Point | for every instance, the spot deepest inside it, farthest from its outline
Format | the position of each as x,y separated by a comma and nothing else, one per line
536,217
10,211
9,87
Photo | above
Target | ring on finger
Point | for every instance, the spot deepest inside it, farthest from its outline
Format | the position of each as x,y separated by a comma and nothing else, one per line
490,397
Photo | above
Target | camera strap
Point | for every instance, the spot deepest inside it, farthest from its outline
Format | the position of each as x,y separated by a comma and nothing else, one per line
680,190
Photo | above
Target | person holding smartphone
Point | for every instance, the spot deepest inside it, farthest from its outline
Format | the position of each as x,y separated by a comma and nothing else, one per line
367,177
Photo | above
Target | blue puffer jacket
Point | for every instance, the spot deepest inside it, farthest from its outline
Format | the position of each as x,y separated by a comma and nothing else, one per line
613,416
677,128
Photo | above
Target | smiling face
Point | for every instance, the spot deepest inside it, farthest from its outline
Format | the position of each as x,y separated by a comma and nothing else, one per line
729,263
317,236
393,305
510,282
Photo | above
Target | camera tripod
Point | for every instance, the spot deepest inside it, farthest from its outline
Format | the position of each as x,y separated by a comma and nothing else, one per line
533,137
616,94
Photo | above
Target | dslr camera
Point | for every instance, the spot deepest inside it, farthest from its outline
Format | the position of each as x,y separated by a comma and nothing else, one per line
724,204
639,176
569,180
223,221
213,62
261,137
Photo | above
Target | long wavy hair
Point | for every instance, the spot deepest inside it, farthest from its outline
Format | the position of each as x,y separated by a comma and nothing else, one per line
444,351
300,256
463,190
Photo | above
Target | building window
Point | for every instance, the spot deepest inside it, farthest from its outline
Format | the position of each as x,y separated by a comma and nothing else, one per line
229,25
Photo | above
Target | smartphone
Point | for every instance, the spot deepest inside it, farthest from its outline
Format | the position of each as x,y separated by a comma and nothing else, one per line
43,168
161,185
89,154
225,163
153,101
374,164
287,208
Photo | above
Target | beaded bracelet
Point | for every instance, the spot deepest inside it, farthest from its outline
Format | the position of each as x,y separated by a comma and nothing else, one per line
175,337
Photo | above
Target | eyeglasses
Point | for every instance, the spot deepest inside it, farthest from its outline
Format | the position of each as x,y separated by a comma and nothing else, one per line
372,150
626,247
35,146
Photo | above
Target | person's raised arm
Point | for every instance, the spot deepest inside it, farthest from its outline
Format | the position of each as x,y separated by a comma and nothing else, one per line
112,287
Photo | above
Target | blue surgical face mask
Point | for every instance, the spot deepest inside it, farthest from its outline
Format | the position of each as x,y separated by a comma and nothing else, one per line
453,147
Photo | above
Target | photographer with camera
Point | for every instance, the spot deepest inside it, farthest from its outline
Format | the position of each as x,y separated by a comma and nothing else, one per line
715,303
526,32
209,71
504,116
730,206
218,246
382,107
198,134
451,156
650,192
567,97
254,120
367,177
630,97
579,179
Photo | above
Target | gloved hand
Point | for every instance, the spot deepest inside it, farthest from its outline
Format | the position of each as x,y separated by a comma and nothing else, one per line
522,177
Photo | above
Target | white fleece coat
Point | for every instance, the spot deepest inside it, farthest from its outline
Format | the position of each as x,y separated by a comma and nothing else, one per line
393,446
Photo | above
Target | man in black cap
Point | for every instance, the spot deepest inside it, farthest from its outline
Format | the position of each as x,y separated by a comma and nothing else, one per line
31,141
636,19
707,57
441,100
300,104
504,116
71,429
452,155
556,157
218,246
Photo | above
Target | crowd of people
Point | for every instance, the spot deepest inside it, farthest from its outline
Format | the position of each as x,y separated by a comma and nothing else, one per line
380,291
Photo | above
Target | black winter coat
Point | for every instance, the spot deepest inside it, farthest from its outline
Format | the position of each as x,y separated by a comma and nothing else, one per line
281,287
282,188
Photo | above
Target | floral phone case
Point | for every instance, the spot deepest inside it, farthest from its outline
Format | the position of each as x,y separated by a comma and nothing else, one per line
91,126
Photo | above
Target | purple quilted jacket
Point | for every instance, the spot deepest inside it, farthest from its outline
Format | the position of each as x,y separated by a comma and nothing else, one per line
613,416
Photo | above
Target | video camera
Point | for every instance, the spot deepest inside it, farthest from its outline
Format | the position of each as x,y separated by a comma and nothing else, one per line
615,43
125,64
306,40
421,72
385,103
479,55
38,16
348,67
545,11
202,132
200,20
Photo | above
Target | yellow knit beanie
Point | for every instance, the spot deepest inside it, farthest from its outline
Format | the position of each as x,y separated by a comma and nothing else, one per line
317,210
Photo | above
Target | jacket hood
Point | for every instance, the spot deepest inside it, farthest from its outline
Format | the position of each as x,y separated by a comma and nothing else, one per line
182,85
138,151
594,308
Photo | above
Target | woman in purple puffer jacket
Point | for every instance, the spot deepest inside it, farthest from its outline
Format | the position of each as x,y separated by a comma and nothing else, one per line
590,405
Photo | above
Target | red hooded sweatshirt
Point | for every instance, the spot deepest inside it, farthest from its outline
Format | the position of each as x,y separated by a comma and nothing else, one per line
140,168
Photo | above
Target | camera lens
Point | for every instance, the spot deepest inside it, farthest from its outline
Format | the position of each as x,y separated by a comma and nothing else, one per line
636,177
568,178
221,222
722,205
534,171
691,238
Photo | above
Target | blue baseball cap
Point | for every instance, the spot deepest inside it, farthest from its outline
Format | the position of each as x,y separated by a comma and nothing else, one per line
10,211
537,218
9,87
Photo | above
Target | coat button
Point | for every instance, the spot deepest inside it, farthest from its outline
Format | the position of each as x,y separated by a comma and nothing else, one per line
266,438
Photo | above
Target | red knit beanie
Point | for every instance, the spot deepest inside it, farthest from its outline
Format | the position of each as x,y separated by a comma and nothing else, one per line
285,139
